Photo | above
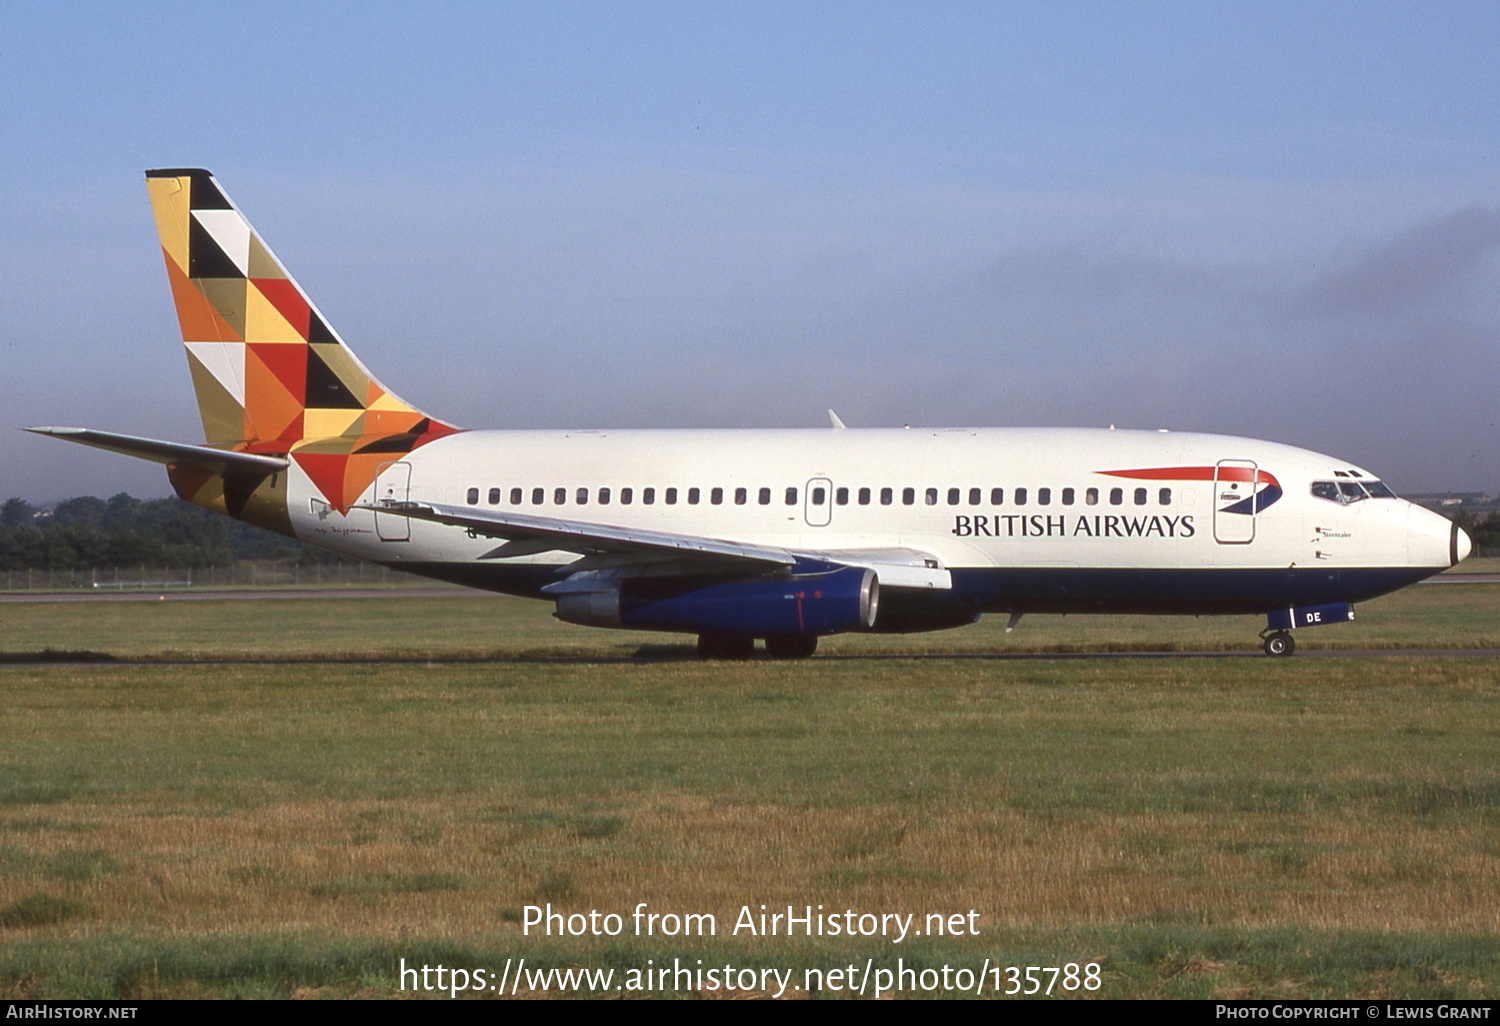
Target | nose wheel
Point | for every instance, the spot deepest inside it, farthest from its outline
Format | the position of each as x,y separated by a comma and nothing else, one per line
1279,643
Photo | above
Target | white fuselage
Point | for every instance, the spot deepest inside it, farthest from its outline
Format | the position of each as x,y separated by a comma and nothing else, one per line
1074,501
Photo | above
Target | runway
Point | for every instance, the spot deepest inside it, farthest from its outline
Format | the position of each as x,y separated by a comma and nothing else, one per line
688,653
184,595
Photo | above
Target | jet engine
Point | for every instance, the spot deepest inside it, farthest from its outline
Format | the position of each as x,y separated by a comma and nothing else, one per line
841,600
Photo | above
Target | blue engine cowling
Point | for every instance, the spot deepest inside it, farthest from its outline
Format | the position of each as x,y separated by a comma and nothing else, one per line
829,603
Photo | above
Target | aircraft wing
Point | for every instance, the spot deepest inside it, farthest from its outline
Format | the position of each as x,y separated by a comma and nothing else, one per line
607,547
177,453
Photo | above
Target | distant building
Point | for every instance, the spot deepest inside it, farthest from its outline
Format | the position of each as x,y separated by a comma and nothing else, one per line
1451,500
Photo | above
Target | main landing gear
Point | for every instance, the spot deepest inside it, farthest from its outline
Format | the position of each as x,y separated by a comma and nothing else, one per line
742,646
791,646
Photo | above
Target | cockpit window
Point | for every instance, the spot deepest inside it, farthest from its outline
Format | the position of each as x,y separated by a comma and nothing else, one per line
1351,491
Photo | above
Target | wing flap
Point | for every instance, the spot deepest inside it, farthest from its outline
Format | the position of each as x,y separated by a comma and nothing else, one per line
586,539
611,549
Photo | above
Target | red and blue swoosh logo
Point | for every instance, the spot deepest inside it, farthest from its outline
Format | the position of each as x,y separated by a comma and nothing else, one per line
1264,488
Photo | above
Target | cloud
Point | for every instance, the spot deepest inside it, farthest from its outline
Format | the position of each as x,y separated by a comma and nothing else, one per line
1421,267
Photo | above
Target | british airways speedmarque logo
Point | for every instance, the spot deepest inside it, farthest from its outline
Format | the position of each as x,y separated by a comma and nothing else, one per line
1230,483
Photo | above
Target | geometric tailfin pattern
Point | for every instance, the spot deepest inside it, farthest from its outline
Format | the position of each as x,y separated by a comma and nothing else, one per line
270,374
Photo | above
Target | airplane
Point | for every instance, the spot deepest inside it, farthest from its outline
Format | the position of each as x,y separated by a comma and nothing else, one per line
783,536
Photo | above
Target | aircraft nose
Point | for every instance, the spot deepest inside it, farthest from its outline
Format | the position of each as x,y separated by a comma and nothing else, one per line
1460,545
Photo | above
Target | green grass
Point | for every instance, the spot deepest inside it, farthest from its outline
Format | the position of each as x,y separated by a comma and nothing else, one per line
1424,616
1200,827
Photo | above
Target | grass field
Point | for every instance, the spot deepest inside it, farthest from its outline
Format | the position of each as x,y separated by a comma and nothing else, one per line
1459,616
1239,827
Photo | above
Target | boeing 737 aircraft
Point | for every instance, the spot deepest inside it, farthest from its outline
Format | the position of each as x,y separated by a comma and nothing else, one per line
734,536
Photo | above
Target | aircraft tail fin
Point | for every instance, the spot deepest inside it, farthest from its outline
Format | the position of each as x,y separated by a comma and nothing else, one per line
268,370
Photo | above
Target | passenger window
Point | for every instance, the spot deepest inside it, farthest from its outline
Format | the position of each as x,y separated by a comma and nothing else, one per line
515,496
740,495
1044,496
671,497
885,496
693,496
1067,496
931,496
864,496
604,496
908,496
583,496
841,496
473,496
560,497
648,496
975,495
626,494
1164,496
1091,497
819,495
494,496
765,496
791,496
1020,496
1116,496
538,496
997,496
954,496
1140,496
716,496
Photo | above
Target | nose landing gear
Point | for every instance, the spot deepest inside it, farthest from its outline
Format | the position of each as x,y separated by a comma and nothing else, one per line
1278,643
1277,639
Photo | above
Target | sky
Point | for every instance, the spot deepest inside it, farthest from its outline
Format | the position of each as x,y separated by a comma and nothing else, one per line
1271,219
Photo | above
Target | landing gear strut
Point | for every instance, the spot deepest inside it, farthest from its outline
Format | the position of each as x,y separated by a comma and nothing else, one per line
1279,643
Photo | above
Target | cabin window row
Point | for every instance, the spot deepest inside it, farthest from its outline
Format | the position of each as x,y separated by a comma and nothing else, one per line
818,496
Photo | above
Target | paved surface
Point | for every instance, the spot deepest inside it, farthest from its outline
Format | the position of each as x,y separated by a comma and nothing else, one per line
688,653
205,595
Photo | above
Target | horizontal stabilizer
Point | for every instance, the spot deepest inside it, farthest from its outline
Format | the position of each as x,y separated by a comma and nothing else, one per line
172,453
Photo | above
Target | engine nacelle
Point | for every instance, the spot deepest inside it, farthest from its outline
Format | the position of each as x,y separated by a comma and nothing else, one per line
831,603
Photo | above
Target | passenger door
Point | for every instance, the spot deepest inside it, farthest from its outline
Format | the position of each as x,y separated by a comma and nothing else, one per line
392,484
1235,502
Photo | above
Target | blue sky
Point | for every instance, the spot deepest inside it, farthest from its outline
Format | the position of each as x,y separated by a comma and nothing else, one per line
1271,219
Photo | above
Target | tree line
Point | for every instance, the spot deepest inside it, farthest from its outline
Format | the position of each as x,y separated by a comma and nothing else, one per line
89,533
1483,529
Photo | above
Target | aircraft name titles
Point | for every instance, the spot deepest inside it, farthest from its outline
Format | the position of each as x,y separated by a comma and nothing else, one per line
1099,525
